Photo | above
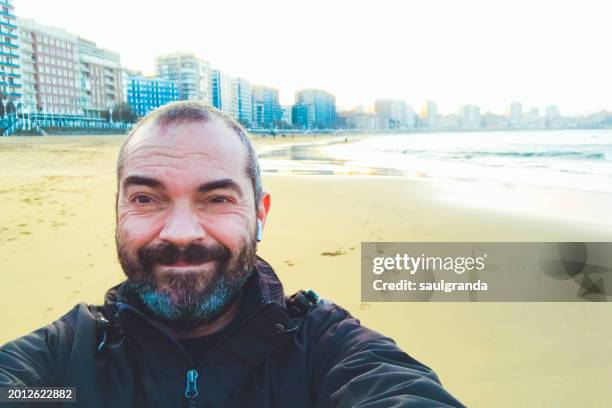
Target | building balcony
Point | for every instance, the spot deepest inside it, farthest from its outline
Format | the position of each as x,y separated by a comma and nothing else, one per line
6,24
10,45
8,64
2,83
9,35
10,74
9,15
8,54
7,5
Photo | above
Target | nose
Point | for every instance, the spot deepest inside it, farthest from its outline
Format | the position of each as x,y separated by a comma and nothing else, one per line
182,226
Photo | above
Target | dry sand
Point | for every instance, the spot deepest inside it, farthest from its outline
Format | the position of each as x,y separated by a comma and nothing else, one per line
57,249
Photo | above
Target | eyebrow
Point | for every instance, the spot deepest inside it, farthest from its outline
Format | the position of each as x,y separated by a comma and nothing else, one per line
221,184
142,181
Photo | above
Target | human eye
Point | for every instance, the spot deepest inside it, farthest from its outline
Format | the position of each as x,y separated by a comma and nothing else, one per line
220,200
141,199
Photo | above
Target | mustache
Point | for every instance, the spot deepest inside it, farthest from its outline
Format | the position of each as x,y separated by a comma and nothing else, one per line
193,254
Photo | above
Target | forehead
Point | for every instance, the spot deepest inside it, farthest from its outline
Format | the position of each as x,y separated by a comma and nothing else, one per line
185,149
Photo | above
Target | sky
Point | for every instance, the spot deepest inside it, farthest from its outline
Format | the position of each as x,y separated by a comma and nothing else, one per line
481,52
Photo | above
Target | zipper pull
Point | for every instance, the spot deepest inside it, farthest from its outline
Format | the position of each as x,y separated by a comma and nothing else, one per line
191,390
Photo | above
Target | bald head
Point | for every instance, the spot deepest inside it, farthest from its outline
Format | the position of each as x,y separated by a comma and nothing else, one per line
185,112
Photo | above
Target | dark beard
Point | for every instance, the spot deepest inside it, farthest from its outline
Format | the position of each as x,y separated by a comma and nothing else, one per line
187,299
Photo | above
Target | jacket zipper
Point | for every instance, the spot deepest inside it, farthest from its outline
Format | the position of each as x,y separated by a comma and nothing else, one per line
191,389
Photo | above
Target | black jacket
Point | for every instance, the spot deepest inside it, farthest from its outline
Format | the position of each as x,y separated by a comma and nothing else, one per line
280,353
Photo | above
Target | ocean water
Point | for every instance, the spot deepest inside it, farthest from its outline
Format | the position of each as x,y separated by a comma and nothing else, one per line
563,159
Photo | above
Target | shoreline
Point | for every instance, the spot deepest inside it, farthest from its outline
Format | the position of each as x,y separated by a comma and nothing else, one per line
331,132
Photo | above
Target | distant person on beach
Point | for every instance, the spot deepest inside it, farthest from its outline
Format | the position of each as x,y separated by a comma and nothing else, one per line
201,320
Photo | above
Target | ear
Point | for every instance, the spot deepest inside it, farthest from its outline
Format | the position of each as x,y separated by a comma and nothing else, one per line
263,208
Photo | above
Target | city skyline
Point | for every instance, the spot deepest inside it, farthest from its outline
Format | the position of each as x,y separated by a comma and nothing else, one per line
454,54
67,75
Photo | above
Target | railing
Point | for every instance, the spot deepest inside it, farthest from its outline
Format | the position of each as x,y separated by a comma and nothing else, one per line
10,45
10,35
4,23
7,5
39,123
8,64
7,14
9,54
21,124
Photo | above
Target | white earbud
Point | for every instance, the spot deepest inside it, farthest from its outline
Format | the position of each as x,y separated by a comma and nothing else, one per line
259,230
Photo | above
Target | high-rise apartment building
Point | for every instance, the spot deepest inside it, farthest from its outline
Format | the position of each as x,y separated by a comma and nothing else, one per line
242,101
410,116
50,69
469,116
515,114
63,74
221,91
147,93
192,74
320,108
393,114
286,119
232,95
266,109
10,84
302,116
101,79
552,117
429,114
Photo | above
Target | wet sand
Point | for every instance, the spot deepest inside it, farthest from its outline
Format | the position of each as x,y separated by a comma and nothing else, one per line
57,249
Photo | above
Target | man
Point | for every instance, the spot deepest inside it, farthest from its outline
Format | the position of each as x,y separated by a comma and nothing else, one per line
201,321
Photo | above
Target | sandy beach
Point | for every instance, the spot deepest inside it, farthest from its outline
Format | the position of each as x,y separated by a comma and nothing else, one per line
57,248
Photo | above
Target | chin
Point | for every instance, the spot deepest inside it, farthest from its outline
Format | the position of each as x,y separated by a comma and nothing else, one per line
181,282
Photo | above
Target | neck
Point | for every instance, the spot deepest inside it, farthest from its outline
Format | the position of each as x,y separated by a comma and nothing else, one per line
206,329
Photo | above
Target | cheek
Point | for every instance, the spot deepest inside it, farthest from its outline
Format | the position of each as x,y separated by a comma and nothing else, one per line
137,231
230,231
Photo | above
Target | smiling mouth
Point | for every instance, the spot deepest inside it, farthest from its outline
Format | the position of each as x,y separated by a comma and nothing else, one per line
184,265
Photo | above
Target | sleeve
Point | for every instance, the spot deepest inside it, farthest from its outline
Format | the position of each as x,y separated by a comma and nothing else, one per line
359,368
32,360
